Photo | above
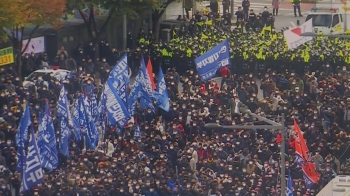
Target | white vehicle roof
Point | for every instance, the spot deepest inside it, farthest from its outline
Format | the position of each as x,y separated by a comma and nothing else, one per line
59,74
51,70
320,13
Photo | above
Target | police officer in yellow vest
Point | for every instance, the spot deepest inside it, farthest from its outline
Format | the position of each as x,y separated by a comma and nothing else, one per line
240,24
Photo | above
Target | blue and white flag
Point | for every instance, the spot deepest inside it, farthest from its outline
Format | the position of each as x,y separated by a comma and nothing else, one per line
81,115
289,191
146,80
101,121
162,92
135,93
119,78
116,110
87,102
47,141
93,106
137,133
210,62
22,138
32,172
64,117
91,130
146,103
76,121
142,88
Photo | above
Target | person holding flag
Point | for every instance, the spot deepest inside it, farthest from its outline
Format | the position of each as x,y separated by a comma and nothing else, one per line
289,191
47,141
162,92
22,138
32,172
64,116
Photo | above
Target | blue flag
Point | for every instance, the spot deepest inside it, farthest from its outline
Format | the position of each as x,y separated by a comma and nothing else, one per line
93,106
289,191
22,138
142,88
83,121
146,103
64,117
101,121
146,81
81,114
47,141
76,121
135,93
116,110
32,172
162,92
137,133
210,62
91,134
119,78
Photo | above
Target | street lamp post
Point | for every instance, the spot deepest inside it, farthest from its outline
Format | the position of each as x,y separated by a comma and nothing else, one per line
273,125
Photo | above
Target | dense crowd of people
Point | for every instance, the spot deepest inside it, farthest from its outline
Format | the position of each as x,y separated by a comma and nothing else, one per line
175,155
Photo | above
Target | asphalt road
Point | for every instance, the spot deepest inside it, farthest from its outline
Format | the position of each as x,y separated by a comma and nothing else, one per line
284,18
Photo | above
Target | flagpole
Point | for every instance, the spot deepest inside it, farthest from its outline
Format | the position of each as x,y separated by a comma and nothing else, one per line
283,159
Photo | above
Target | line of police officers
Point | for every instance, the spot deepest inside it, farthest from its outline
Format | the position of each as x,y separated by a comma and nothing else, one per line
250,51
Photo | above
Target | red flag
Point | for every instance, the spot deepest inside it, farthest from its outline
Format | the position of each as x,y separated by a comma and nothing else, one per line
150,73
304,159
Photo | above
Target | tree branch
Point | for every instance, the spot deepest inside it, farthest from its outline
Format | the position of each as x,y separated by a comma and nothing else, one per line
29,39
82,15
86,23
16,29
104,25
93,19
90,16
7,34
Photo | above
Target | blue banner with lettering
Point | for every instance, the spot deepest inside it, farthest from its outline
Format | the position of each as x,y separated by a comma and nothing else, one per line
119,78
101,121
116,110
76,121
93,106
142,88
22,137
64,116
146,103
137,133
289,191
81,115
162,92
47,141
91,130
32,172
145,81
133,96
210,62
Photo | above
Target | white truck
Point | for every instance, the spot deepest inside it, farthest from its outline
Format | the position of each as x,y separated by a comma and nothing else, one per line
330,17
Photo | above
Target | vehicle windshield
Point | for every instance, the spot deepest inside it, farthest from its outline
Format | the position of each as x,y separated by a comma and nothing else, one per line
33,76
323,20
